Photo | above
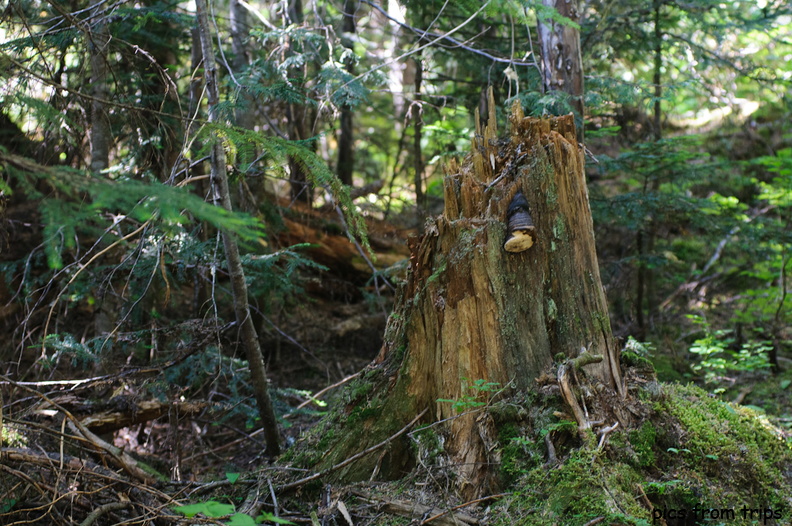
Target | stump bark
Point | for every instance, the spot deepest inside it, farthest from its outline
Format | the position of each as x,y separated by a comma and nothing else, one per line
472,312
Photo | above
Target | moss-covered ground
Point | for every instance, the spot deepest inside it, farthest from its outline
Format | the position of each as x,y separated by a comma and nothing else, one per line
690,459
687,458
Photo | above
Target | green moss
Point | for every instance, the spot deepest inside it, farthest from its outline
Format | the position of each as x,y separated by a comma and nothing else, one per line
725,455
427,445
643,442
362,413
575,493
399,352
631,359
691,451
359,389
552,310
511,460
559,228
308,452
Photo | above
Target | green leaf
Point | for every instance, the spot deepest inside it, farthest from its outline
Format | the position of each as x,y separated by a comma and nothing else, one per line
191,510
269,517
232,477
212,509
241,519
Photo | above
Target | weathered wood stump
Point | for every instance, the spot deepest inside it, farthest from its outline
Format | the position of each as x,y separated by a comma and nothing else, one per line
472,311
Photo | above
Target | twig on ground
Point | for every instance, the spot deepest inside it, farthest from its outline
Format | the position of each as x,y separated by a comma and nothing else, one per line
323,391
465,504
101,510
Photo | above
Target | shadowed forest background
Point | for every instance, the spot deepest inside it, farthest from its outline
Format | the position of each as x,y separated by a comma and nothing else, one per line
206,212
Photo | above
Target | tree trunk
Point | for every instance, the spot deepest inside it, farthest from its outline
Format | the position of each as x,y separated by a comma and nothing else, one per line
250,342
472,312
100,125
245,115
562,65
418,166
644,294
346,152
298,125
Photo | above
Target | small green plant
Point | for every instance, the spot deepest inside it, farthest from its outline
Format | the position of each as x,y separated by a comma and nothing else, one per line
10,436
215,510
717,359
642,349
661,488
471,401
562,426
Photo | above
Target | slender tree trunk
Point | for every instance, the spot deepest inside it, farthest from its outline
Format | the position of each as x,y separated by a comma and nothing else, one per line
250,342
298,126
473,311
658,70
658,133
201,290
645,285
101,138
300,189
562,64
245,115
418,165
346,152
640,283
778,324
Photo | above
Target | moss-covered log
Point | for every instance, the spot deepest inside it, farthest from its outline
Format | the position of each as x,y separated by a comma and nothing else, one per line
475,319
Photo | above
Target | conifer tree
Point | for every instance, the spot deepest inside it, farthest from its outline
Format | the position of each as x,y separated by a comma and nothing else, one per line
247,330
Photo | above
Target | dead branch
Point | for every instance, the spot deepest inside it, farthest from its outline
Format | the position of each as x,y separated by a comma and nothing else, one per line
466,504
101,510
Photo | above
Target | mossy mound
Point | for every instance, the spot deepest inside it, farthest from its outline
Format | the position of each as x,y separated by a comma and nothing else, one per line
688,458
691,459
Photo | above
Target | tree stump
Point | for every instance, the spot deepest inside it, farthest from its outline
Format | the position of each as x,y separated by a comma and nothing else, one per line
473,313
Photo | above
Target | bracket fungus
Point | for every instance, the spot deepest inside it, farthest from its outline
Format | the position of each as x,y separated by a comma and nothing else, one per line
521,230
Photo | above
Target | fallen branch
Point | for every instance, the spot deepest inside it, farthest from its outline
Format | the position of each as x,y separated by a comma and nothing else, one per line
464,505
101,510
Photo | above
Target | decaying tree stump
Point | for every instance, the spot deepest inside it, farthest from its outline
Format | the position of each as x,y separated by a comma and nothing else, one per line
472,311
